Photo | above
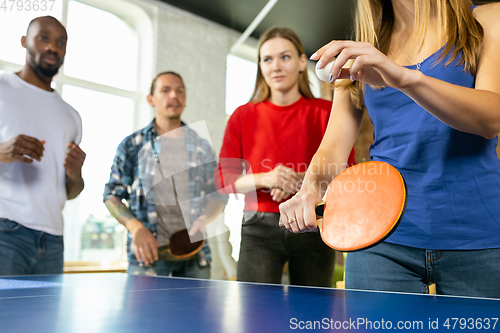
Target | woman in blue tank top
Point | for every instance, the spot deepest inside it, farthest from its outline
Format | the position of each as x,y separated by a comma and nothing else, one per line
426,71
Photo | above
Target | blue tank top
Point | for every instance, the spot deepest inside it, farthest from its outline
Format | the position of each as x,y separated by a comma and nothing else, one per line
453,177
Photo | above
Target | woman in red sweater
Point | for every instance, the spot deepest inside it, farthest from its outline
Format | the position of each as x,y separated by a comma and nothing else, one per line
273,139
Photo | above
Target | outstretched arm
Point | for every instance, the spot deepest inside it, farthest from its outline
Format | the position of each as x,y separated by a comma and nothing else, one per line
472,110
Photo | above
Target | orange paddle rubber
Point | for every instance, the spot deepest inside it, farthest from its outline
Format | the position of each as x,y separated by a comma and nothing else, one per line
363,206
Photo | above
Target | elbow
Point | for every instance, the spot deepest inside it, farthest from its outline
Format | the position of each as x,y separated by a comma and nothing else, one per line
492,128
491,131
81,187
111,199
491,135
74,190
488,128
224,181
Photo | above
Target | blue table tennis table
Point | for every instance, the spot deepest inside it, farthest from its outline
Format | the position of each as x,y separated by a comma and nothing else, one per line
117,302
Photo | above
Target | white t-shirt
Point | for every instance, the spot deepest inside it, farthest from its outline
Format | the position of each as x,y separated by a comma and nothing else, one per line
33,194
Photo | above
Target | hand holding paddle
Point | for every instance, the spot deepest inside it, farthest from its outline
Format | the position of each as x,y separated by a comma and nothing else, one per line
363,206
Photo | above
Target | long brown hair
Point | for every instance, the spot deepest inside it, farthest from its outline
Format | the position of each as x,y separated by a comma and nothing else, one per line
261,91
461,34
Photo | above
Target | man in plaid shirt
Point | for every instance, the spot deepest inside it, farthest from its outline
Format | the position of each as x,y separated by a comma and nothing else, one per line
158,206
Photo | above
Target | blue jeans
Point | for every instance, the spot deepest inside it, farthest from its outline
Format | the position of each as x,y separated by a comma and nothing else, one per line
265,249
187,268
392,267
27,251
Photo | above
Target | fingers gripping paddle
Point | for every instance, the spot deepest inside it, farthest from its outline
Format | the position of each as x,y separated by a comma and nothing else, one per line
363,206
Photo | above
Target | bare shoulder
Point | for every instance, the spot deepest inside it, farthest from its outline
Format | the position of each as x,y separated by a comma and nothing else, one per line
488,71
487,15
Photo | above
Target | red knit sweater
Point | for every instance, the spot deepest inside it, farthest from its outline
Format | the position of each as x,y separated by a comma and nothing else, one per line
265,135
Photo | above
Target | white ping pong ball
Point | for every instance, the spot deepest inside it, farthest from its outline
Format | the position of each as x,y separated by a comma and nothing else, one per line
324,73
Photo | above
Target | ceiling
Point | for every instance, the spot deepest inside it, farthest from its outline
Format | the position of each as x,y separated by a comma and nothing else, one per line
316,22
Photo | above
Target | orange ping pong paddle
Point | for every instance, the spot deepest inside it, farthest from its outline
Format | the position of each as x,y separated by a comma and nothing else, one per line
362,207
180,245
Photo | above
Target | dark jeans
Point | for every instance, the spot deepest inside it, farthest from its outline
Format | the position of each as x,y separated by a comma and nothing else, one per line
265,248
392,267
26,251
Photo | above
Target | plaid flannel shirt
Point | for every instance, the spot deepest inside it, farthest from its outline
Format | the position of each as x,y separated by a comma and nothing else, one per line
134,166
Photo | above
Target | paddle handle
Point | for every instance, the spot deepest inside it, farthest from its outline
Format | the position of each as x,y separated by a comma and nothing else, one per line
319,209
164,248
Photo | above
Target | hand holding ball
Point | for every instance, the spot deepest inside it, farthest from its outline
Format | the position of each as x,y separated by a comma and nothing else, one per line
324,73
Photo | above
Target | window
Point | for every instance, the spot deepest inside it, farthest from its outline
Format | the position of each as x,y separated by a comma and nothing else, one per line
107,119
104,52
100,79
240,82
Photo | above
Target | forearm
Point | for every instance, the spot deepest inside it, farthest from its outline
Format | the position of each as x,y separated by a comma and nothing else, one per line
74,187
3,155
120,212
212,210
468,110
250,182
332,155
324,166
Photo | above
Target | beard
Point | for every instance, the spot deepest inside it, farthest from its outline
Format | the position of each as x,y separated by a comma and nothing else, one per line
47,72
176,117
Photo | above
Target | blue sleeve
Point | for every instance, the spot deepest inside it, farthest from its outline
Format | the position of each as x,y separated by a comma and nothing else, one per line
122,172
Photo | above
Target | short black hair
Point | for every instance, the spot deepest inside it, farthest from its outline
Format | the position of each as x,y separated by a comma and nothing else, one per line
153,84
33,21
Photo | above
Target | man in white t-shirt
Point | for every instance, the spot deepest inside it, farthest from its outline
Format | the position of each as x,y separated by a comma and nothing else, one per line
40,160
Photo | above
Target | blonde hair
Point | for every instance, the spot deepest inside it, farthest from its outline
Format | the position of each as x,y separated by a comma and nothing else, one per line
261,91
461,34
